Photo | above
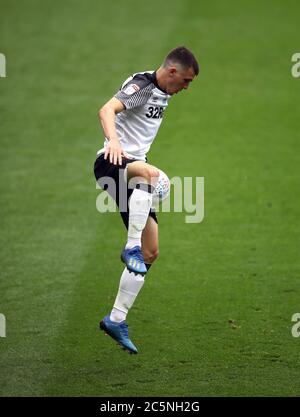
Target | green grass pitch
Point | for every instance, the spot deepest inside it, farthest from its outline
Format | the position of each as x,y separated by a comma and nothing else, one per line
214,317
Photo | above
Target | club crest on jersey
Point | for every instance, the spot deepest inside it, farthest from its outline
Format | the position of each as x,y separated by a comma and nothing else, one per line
131,89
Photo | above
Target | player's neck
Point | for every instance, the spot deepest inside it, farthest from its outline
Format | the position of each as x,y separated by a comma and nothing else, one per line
161,78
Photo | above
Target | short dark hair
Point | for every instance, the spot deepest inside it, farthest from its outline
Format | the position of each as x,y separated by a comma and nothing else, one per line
183,56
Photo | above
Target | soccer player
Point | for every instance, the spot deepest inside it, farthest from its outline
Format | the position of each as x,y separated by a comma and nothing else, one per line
130,121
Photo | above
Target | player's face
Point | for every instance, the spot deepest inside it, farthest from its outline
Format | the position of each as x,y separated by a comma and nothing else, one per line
179,79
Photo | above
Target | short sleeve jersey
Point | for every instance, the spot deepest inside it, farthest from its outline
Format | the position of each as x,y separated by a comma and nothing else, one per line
145,103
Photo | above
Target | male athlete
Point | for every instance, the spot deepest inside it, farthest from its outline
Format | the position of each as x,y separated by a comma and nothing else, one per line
130,121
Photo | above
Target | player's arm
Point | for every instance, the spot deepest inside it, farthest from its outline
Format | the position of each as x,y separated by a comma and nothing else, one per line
107,115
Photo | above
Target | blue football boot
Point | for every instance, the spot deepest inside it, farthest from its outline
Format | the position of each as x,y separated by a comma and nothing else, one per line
134,260
119,332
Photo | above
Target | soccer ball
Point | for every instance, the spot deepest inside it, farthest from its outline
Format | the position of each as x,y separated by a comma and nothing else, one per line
162,188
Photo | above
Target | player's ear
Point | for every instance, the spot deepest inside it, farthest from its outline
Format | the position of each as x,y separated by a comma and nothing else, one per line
172,71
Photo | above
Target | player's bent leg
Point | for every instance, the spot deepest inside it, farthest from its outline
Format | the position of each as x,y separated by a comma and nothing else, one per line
144,177
150,241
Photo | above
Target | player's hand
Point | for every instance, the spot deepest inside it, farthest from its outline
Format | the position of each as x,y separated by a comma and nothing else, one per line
115,152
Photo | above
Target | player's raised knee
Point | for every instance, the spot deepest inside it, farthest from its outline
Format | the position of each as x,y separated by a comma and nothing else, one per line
151,174
144,171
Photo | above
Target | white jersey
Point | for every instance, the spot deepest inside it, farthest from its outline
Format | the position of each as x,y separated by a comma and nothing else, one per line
144,104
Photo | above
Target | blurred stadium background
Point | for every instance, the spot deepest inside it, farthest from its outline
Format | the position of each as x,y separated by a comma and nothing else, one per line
214,318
